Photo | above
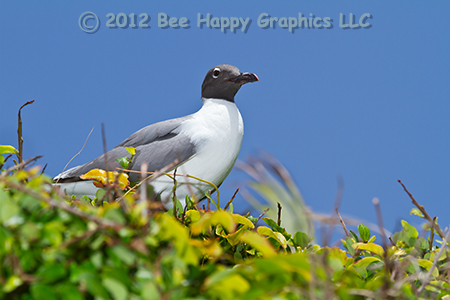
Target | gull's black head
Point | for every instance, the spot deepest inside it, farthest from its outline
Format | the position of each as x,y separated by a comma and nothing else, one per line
224,81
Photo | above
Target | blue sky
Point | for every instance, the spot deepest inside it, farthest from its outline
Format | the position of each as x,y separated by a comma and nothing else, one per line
368,104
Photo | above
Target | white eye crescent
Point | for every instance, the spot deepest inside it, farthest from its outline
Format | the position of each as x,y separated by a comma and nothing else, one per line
216,73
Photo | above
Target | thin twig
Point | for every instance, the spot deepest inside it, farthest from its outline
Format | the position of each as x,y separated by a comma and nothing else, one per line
143,188
4,161
387,263
77,238
19,132
174,195
424,212
376,203
342,222
392,242
107,166
231,200
279,213
261,215
337,204
85,142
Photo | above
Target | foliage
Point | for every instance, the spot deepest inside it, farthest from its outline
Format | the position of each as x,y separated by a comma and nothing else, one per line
56,247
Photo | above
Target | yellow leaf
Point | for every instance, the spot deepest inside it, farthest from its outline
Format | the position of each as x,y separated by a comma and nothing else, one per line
211,219
193,215
374,248
131,150
365,262
223,218
235,237
174,232
201,225
243,220
259,243
263,230
7,149
426,264
103,177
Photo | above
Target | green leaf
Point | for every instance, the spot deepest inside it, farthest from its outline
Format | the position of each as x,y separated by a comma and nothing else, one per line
364,232
263,230
42,292
348,245
51,273
68,291
115,288
12,283
150,292
123,254
8,210
276,228
354,236
123,161
301,239
410,234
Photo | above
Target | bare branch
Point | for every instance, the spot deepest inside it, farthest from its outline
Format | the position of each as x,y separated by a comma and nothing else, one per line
424,212
81,150
231,200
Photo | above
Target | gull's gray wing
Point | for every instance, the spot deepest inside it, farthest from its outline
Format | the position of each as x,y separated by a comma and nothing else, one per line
158,145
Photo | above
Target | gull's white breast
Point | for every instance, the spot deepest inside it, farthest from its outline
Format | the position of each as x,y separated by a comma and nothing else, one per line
216,130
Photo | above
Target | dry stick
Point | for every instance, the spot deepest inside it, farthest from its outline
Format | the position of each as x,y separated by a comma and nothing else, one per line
4,162
337,204
392,242
16,264
21,165
174,196
19,132
81,150
143,188
62,205
231,200
342,222
376,203
426,280
77,238
279,213
432,236
424,212
107,167
261,215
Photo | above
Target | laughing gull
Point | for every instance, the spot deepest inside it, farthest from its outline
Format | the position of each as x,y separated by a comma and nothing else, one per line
205,143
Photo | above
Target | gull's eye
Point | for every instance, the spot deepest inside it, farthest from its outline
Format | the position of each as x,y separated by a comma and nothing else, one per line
216,73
